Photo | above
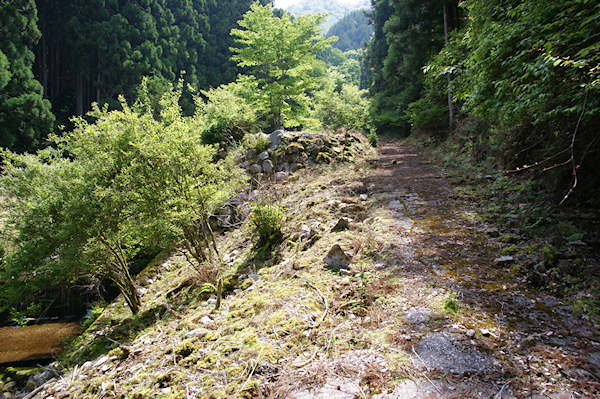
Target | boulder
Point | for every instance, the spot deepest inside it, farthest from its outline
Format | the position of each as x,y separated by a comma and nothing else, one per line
250,154
342,224
280,176
442,351
263,156
294,148
276,138
504,260
255,169
267,166
336,258
418,316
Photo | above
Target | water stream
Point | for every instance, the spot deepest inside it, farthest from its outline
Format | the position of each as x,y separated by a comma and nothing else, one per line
38,342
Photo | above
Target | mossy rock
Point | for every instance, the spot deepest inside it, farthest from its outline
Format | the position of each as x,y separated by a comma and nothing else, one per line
549,255
185,348
324,158
121,353
294,148
507,239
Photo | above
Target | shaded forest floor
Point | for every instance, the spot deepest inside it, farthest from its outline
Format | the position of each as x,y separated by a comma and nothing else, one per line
433,304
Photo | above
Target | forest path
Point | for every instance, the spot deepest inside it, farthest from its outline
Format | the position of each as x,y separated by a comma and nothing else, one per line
500,338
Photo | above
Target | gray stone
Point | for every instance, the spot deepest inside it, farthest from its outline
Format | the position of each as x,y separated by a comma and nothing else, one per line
337,258
267,166
263,156
503,259
410,389
103,360
312,148
301,158
397,206
337,388
280,176
296,167
197,333
276,138
238,199
418,315
307,136
255,169
442,351
284,167
342,224
250,154
351,208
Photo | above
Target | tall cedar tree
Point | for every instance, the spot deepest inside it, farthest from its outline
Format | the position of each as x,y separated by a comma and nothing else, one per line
25,117
96,50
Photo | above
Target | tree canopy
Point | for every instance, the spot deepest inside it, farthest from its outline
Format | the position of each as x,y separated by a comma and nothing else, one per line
279,53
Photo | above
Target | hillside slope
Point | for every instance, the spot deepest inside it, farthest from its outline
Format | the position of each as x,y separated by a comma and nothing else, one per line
425,308
336,9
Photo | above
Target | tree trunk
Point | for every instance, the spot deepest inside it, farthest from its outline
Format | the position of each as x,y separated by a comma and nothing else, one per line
450,101
79,94
118,272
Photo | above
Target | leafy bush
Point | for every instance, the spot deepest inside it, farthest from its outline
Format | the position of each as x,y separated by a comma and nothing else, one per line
343,106
267,222
132,179
228,115
258,142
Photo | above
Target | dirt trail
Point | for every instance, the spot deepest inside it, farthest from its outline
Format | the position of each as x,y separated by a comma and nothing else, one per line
534,344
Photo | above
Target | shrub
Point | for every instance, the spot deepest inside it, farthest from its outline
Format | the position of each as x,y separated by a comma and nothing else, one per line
373,139
267,222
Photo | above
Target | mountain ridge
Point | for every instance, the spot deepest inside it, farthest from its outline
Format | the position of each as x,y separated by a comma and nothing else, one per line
336,9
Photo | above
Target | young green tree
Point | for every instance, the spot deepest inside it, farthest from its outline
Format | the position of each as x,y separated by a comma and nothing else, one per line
280,54
129,181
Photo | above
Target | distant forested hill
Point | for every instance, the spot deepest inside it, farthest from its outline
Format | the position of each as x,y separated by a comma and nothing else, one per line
353,31
337,9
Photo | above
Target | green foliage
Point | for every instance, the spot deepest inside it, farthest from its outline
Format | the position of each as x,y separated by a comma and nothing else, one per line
407,34
342,105
530,71
373,139
267,222
229,114
259,142
25,116
279,54
95,50
451,305
128,181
